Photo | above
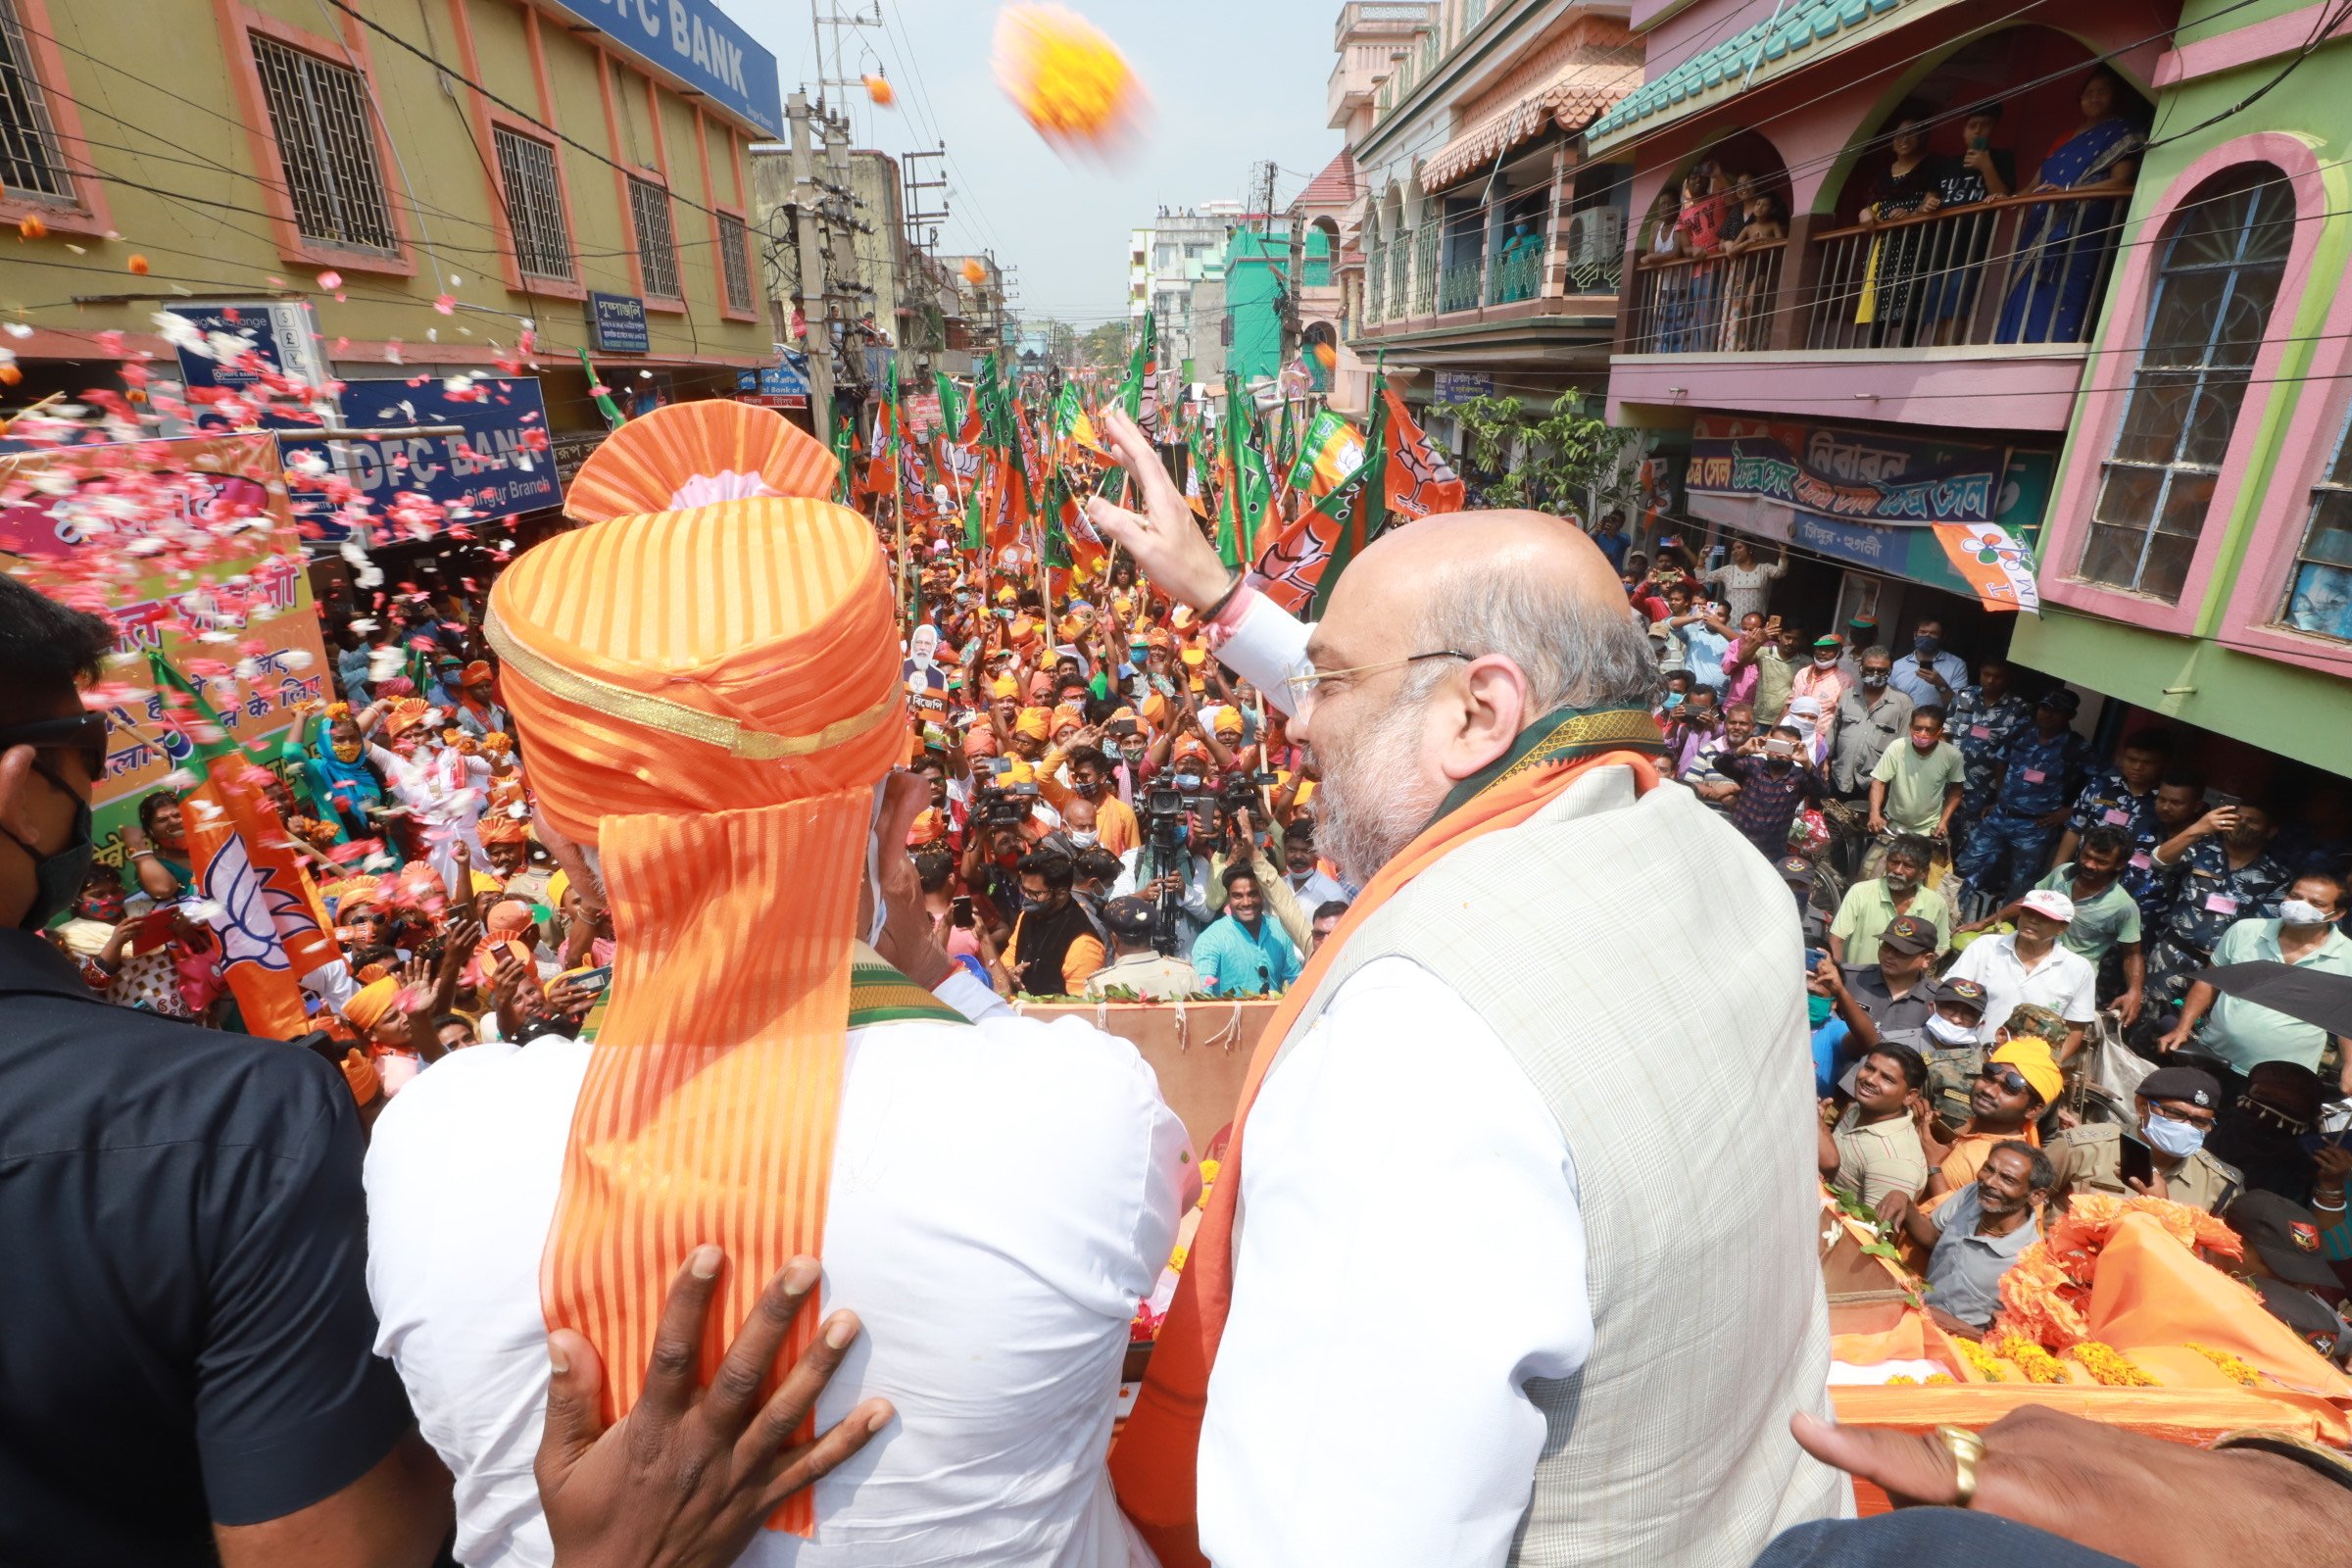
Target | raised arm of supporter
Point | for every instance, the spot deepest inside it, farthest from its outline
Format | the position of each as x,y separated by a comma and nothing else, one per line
1218,752
1296,923
155,879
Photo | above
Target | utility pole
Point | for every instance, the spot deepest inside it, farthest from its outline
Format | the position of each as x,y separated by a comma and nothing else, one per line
816,287
827,19
919,216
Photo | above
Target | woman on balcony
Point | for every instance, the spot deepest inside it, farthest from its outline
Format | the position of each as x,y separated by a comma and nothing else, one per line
1892,296
2063,247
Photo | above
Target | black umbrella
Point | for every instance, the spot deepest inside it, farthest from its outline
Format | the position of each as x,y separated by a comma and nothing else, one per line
2311,995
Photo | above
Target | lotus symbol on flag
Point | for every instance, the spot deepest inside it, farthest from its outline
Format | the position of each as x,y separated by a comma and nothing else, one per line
254,917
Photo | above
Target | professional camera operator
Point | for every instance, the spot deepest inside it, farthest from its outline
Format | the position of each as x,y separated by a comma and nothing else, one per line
1168,869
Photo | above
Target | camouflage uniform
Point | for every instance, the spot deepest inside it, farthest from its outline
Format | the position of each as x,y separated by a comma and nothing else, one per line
1982,731
2208,897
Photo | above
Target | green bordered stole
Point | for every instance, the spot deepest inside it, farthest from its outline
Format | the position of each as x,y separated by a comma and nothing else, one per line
878,993
1562,737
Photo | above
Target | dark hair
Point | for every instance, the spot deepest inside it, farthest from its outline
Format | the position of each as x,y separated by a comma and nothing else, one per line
443,1021
46,650
1990,109
1909,1063
2320,873
1236,871
1090,757
1934,710
1912,847
2157,741
151,803
931,868
1330,909
2104,839
1097,864
1051,869
2181,778
2041,1174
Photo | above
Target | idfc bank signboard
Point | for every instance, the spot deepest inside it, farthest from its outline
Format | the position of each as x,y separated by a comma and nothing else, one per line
693,42
492,470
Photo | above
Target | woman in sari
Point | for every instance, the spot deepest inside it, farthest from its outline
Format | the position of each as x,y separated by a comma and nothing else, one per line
2064,247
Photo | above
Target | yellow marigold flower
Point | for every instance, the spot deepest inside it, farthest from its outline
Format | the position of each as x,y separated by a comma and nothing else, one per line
1902,1377
1209,1169
2110,1365
2038,1364
1939,1380
2237,1370
1177,1257
1981,1361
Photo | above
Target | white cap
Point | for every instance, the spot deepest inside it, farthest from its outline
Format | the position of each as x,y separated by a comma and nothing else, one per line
2052,903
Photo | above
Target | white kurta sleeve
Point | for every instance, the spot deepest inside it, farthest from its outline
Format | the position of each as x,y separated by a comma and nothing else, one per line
1411,1253
1264,647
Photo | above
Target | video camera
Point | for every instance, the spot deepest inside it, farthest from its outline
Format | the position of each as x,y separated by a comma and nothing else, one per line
1003,805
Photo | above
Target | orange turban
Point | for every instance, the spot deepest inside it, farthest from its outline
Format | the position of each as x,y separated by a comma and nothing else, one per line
1033,722
930,827
1227,723
368,1004
1188,746
980,740
709,697
507,917
405,715
480,669
1004,686
1156,708
1067,716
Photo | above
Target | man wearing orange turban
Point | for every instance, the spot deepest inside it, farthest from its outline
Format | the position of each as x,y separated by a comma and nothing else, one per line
711,700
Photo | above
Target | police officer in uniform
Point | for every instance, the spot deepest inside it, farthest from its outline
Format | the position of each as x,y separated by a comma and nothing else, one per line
2223,872
2041,774
1950,1042
1137,968
1984,718
2177,1107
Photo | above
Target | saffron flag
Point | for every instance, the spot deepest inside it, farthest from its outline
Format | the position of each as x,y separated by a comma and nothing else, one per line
1420,481
247,882
1328,453
1299,569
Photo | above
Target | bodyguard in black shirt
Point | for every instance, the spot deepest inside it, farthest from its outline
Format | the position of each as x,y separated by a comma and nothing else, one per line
186,1363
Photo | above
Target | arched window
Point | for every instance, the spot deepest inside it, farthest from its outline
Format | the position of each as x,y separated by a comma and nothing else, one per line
2215,286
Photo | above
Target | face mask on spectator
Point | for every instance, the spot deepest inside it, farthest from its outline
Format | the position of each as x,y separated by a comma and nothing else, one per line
1085,840
1824,657
2302,912
1926,647
1188,781
1949,1033
2175,1137
1875,679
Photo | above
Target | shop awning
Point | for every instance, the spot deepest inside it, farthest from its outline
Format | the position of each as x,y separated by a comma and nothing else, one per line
1572,95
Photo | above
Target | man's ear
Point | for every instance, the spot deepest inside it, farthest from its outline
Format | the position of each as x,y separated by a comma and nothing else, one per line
18,785
1487,710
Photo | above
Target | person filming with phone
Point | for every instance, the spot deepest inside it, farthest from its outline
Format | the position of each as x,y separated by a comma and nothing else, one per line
2161,1156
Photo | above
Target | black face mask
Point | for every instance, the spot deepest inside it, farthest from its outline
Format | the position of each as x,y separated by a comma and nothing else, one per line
58,877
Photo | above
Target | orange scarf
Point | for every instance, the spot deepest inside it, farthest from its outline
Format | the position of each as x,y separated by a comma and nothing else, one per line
1156,1461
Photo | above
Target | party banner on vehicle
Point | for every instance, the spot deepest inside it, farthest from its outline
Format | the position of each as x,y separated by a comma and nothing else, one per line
246,610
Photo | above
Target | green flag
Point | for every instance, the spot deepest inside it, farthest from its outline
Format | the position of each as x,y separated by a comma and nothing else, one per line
951,408
844,442
613,418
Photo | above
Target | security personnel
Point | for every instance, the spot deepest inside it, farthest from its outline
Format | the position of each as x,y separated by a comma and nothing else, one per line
2177,1107
1137,968
2223,872
2123,796
2041,773
1949,1042
1984,718
2285,1263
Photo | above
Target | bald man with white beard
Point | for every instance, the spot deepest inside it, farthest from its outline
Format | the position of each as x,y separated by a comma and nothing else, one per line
1519,1266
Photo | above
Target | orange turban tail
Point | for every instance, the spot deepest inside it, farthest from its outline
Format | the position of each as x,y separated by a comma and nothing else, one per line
709,697
368,1004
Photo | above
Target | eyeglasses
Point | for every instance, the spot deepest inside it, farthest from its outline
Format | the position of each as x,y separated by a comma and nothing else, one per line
83,732
1302,680
2009,1078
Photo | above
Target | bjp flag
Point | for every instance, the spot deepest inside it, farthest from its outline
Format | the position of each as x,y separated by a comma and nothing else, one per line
247,882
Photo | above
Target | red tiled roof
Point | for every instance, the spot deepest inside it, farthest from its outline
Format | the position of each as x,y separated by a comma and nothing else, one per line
1336,186
1573,96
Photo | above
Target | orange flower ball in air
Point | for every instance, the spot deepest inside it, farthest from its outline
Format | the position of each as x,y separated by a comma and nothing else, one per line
1067,79
137,264
974,273
1326,356
9,375
879,89
32,228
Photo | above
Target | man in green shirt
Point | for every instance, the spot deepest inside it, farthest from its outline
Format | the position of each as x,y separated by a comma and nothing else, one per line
1916,788
1870,908
2106,916
2244,1033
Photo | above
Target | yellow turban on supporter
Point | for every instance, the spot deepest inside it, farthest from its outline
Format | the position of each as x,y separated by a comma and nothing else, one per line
1034,722
1156,708
368,1004
2035,1065
483,882
557,886
1004,686
709,697
1227,724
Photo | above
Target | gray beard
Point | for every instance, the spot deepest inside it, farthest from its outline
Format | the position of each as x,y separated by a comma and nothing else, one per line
1368,806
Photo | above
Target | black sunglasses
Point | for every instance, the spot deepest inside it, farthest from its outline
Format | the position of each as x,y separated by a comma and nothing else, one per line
2009,1078
83,732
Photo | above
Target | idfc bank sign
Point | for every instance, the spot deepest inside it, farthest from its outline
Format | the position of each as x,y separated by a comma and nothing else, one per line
491,470
693,42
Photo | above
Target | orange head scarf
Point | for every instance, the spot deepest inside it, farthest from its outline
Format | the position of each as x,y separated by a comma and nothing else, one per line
709,698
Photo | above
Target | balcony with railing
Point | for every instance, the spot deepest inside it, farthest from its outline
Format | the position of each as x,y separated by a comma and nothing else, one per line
2002,295
1488,269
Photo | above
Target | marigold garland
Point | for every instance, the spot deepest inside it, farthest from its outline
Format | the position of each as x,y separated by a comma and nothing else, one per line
1935,1380
1903,1378
2038,1364
2236,1370
1981,1361
2045,1292
2110,1365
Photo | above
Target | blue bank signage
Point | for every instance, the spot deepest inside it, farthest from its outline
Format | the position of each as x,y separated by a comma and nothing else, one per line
692,41
778,386
616,323
500,466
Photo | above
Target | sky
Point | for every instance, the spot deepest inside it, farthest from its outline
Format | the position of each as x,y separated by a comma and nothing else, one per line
1232,83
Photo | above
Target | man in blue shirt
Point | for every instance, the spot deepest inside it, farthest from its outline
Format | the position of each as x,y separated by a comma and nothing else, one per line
1612,540
2041,773
1927,674
1242,953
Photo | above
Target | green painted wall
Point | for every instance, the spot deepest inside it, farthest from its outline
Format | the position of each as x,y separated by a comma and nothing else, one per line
1253,287
2263,701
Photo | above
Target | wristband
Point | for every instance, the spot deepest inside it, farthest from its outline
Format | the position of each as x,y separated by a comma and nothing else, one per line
1224,600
